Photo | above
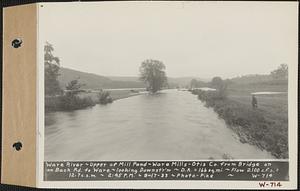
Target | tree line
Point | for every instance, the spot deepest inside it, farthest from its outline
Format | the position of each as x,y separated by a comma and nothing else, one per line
152,73
277,75
56,98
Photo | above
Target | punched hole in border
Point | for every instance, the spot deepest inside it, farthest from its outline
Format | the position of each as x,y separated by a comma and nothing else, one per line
17,43
17,146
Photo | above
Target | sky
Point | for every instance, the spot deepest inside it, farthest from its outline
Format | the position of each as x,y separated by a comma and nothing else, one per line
199,39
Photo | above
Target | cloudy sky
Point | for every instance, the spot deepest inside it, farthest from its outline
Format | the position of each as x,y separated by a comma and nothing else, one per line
199,39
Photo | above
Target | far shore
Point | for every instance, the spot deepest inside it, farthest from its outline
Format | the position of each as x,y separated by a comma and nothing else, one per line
123,96
116,94
88,98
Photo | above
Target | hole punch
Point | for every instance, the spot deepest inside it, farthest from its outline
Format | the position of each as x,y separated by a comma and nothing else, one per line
16,43
17,146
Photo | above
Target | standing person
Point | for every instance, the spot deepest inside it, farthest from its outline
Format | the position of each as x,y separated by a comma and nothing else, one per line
254,102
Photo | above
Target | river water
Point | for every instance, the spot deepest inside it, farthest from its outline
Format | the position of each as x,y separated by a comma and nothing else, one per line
172,125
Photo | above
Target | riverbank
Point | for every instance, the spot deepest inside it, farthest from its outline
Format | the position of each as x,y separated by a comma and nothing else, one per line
266,127
85,99
114,94
122,94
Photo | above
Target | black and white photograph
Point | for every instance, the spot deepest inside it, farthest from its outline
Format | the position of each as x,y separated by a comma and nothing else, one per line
167,81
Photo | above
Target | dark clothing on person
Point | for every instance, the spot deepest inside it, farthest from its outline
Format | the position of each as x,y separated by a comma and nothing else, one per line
254,102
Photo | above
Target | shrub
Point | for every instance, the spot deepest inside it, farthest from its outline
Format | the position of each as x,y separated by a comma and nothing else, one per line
104,97
52,103
75,102
67,103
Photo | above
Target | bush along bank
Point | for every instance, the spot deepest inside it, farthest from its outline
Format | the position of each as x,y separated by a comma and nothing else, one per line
70,102
67,103
251,125
104,97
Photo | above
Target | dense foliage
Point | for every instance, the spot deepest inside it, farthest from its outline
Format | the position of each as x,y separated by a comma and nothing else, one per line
52,66
281,73
66,103
198,84
104,97
153,74
55,98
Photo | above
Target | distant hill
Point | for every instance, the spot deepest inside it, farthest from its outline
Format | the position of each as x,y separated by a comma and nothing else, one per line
258,82
172,81
184,81
94,81
251,78
124,78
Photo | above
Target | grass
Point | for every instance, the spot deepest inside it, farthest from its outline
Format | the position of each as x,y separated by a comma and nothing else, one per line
273,106
67,103
121,94
265,127
115,94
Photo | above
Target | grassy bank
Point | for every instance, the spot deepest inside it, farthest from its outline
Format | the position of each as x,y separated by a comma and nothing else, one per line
65,103
265,127
115,94
83,100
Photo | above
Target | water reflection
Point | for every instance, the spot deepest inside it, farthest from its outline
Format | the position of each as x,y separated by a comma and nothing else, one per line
268,93
172,125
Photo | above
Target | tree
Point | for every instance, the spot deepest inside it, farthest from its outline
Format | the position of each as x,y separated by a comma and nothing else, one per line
71,100
281,73
153,74
73,87
220,85
217,82
52,66
194,83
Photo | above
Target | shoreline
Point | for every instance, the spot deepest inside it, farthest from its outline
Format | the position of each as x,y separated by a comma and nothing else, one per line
115,95
125,96
53,104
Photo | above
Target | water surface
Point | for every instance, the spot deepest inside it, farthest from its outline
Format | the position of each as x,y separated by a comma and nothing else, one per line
172,125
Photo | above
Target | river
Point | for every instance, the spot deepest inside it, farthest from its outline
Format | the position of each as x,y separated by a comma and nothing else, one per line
172,125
